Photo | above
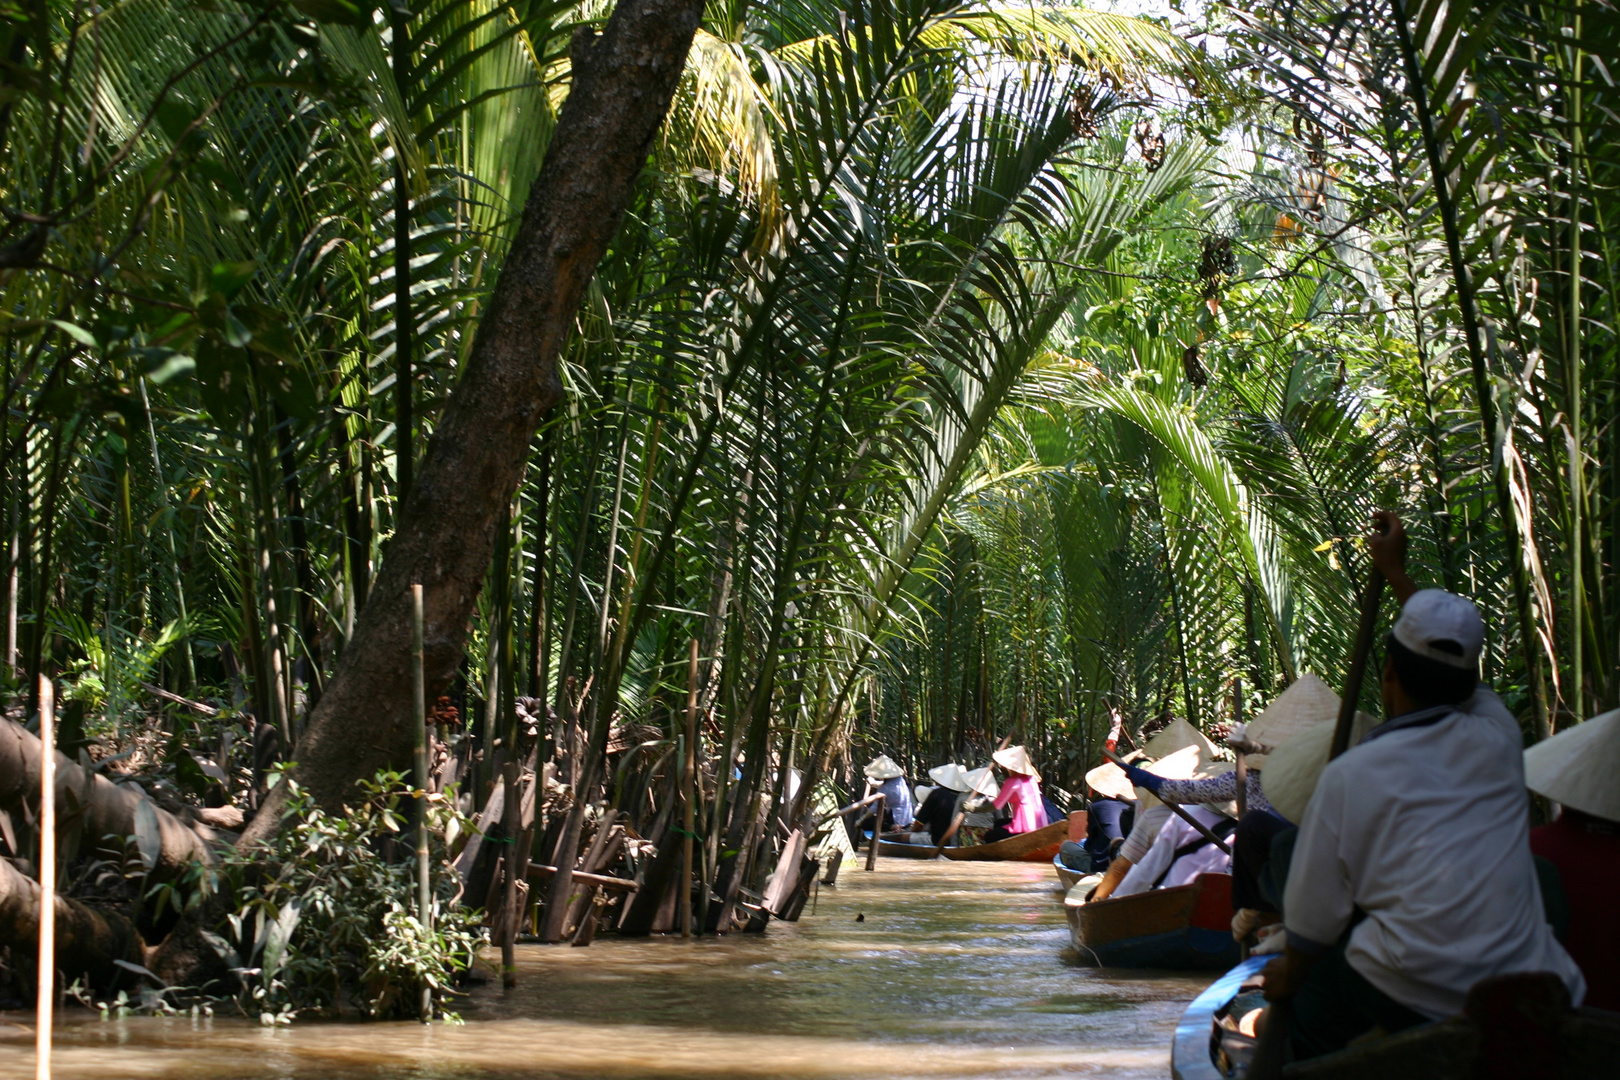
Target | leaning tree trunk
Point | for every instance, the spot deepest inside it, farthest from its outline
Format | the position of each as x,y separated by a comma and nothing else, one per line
108,809
88,942
623,82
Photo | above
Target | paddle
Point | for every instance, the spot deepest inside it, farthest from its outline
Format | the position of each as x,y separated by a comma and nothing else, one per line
956,823
1178,811
1269,1050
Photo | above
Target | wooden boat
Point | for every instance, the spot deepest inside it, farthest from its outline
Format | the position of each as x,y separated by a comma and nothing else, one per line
1066,877
900,849
1185,928
1512,1026
1038,846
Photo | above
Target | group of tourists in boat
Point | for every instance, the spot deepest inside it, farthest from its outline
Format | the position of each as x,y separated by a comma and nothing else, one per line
1398,883
967,813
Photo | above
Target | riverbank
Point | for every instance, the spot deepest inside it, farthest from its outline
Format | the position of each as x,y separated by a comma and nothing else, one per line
954,970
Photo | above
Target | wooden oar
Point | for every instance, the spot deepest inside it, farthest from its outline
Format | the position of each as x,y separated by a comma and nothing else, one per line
1269,1050
956,823
1178,811
1370,598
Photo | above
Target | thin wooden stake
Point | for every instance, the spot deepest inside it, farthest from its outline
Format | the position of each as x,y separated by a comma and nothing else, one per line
689,788
877,831
45,1006
424,887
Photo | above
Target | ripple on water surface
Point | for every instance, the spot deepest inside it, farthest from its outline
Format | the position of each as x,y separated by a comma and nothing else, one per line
958,970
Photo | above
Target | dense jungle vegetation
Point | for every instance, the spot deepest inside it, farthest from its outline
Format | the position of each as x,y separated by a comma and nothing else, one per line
956,372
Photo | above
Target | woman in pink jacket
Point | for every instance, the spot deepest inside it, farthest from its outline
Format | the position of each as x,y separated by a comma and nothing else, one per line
1022,791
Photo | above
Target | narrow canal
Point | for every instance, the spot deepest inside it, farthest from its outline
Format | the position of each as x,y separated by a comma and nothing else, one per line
923,969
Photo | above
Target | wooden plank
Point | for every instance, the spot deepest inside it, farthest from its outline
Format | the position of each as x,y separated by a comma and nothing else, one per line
539,872
785,882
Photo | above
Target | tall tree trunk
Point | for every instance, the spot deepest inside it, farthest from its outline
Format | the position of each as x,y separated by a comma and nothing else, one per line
623,82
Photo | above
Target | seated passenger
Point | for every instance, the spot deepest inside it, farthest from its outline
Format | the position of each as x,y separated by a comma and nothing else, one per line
1411,878
941,807
1022,791
1180,853
1173,737
1579,769
1306,703
1108,822
884,776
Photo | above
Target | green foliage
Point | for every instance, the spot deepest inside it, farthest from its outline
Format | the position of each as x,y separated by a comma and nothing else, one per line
325,915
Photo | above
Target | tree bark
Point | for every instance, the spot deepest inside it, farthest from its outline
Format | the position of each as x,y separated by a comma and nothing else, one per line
87,940
623,82
109,808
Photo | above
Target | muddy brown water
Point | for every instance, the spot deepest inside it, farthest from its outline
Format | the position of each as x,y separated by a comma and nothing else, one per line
957,970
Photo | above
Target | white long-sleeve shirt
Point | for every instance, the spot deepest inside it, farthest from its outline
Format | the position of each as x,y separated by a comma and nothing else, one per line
1144,830
1425,827
1161,857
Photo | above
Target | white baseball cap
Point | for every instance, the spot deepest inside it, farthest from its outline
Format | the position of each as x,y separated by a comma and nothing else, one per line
1443,627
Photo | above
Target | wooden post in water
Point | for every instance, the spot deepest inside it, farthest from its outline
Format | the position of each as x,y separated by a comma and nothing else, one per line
877,831
45,1006
689,790
424,886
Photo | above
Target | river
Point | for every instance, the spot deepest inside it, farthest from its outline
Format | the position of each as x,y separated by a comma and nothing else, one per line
921,969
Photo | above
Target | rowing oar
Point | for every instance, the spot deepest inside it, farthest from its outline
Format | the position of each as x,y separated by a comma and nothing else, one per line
1179,812
1267,1063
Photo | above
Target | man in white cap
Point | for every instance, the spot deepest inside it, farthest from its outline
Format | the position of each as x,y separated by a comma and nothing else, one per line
1412,879
1579,770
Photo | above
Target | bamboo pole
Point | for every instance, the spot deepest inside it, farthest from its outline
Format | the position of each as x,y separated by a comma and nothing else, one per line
1242,768
424,888
44,1007
689,786
877,831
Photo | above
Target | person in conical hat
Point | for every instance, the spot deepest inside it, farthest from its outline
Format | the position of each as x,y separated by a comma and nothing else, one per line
1579,769
939,809
1306,708
1411,878
883,775
883,768
1179,751
1022,791
982,781
1109,817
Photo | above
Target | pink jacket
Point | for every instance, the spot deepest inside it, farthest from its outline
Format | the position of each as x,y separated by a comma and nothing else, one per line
1025,795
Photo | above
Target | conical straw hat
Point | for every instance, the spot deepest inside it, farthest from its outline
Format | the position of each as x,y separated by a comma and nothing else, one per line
1293,769
921,792
1580,767
983,782
1109,779
950,775
1015,759
1307,702
883,768
1177,735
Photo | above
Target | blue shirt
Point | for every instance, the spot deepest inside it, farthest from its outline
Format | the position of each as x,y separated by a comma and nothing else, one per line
897,802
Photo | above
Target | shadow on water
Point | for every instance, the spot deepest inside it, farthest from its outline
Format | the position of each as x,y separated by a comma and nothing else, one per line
956,970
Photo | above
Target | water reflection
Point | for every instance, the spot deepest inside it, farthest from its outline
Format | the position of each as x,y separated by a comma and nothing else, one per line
957,970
